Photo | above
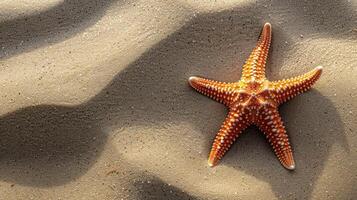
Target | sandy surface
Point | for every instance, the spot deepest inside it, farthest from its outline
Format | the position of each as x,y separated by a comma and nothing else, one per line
95,102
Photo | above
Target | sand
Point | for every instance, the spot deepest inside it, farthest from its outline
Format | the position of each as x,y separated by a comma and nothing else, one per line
95,102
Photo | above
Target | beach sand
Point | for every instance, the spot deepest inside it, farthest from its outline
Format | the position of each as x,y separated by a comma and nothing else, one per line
95,102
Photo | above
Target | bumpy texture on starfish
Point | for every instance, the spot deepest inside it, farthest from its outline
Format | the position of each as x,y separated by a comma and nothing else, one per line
254,100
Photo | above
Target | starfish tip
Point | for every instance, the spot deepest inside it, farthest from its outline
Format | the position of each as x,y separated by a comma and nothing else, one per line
267,24
211,163
291,167
191,79
319,68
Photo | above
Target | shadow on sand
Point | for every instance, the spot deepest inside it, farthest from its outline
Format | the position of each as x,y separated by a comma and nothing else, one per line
51,144
56,24
154,188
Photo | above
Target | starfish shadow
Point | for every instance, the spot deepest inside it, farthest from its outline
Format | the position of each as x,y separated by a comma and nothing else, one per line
314,126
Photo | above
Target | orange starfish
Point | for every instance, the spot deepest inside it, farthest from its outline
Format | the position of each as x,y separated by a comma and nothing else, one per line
254,100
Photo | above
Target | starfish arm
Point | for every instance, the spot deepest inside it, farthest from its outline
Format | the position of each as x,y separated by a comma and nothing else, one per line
232,127
254,67
271,124
219,91
286,89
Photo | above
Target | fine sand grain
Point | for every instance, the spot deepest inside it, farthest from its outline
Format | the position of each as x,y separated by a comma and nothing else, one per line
95,102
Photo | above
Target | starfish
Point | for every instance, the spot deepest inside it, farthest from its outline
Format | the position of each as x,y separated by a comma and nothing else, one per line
254,100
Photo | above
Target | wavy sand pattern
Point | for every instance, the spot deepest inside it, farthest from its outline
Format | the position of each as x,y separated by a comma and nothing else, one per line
96,105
